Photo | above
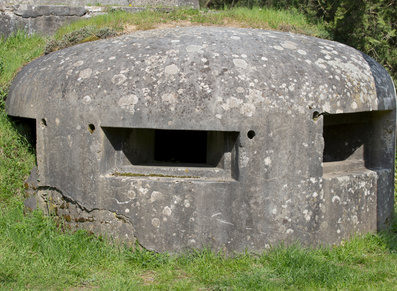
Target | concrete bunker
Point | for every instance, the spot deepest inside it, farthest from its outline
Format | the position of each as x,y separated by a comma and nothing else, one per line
234,138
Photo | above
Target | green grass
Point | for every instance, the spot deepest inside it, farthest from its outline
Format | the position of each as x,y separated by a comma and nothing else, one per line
256,18
36,254
16,157
41,253
16,51
119,21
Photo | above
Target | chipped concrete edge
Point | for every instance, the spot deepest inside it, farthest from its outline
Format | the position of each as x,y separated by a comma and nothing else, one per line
101,222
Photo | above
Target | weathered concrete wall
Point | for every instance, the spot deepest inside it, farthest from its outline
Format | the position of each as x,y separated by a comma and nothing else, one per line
41,19
46,16
237,138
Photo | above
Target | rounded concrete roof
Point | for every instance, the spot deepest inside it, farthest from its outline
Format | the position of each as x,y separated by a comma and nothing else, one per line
212,75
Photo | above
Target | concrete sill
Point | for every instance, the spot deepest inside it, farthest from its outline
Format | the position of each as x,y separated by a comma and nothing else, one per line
343,166
175,171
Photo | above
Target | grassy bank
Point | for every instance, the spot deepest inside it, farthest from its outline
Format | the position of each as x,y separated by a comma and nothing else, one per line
38,253
265,18
35,255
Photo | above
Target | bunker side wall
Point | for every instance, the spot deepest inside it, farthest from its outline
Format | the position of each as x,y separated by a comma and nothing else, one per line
360,143
350,204
383,164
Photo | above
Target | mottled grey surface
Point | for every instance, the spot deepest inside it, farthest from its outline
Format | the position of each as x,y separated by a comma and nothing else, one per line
300,135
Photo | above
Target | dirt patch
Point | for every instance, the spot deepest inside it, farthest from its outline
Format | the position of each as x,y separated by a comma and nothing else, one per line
129,28
83,288
148,277
179,23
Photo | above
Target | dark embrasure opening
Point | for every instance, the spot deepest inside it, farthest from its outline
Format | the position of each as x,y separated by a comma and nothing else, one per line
151,147
180,146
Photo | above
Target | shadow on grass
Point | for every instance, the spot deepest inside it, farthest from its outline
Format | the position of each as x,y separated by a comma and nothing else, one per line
26,129
389,236
6,279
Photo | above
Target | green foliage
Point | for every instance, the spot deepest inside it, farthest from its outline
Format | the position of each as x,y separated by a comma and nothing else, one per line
277,4
370,26
367,25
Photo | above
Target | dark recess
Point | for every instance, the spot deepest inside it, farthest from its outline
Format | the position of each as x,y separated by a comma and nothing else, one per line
26,127
91,128
180,146
251,134
354,136
151,147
